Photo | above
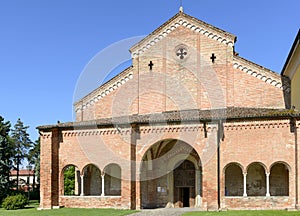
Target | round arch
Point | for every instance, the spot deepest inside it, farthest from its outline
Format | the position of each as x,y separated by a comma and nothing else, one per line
89,164
256,179
258,163
92,180
281,162
279,179
112,179
160,185
70,180
234,178
235,163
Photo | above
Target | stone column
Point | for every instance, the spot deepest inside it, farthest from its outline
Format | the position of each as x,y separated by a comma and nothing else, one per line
268,184
103,185
198,189
82,185
245,184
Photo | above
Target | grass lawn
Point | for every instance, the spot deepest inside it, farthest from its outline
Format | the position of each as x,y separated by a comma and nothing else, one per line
244,213
31,210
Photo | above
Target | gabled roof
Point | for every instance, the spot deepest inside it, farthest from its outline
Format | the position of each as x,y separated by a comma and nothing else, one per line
182,19
295,45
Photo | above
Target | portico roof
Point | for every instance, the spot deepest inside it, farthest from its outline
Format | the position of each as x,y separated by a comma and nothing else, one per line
228,114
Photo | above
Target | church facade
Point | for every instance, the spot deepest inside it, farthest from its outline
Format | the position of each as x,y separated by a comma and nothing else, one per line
189,124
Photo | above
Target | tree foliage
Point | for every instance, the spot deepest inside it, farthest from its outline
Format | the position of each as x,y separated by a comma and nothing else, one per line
21,144
69,180
6,154
34,158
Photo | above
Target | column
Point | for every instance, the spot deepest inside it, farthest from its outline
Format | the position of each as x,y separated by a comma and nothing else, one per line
245,184
102,192
268,184
198,189
82,185
198,182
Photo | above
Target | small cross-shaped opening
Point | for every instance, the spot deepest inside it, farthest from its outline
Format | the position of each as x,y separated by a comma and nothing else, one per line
181,53
213,58
150,65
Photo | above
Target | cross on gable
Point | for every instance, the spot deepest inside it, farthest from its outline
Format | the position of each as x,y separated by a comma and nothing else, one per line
213,58
181,53
151,65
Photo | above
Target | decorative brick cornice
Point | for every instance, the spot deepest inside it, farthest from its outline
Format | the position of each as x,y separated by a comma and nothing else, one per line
46,135
104,90
188,22
176,129
252,125
259,72
89,132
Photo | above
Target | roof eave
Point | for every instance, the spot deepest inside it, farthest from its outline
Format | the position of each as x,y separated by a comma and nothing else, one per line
293,48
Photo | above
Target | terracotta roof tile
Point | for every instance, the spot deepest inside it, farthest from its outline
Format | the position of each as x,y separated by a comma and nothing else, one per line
228,114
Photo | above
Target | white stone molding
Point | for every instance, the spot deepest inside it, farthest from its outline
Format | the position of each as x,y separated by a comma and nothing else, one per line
189,24
259,72
103,91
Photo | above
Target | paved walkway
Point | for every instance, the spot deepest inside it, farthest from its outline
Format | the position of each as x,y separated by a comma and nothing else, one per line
164,212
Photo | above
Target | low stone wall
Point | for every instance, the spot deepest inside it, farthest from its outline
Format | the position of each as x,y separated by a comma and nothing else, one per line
94,202
257,203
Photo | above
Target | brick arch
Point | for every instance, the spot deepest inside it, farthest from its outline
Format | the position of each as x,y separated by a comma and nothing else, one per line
256,179
257,162
160,177
112,179
77,180
89,164
111,164
92,181
233,173
279,179
235,163
281,162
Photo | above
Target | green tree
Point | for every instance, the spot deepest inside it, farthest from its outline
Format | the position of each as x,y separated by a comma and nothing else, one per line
21,143
6,154
69,180
34,158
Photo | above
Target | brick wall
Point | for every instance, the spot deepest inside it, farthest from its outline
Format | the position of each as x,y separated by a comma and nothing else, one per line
194,82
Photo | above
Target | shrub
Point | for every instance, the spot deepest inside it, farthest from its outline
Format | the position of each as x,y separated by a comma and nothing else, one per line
14,202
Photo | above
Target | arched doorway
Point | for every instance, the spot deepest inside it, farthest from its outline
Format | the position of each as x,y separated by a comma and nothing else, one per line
171,176
184,184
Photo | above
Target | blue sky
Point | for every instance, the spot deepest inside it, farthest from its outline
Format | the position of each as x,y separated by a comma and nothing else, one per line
46,44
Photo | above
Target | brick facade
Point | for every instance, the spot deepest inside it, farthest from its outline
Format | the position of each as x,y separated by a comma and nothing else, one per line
190,109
